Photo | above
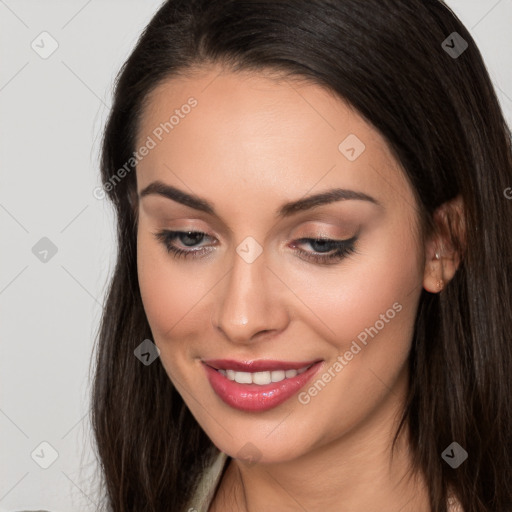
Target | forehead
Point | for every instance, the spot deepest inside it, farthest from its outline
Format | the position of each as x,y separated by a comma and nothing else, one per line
245,105
262,132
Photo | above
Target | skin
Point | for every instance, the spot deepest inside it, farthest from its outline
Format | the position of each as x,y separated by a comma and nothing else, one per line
251,144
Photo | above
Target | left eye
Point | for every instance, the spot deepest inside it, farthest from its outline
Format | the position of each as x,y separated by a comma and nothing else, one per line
325,249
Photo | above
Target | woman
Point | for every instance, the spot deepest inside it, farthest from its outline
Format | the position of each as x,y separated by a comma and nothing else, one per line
311,307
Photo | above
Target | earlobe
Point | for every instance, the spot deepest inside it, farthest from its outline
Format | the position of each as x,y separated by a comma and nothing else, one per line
433,279
443,251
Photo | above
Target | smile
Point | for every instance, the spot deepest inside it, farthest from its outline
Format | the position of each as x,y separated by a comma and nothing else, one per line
270,384
261,378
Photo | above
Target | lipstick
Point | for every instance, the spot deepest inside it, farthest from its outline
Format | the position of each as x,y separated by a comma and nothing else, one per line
261,385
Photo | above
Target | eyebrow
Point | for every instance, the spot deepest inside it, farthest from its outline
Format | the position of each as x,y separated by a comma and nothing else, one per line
286,210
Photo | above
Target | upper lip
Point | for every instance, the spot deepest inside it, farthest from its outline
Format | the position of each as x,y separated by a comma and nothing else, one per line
260,365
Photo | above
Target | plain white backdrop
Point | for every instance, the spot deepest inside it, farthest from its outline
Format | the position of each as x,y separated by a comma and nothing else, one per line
52,111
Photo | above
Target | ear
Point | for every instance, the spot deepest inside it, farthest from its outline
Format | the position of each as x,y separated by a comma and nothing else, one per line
443,250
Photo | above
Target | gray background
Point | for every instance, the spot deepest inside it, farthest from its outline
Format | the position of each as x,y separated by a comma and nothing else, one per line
51,115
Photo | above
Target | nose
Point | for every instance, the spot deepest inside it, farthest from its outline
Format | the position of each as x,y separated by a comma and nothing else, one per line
251,304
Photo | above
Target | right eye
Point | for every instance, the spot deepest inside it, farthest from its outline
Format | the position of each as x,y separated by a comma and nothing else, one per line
187,238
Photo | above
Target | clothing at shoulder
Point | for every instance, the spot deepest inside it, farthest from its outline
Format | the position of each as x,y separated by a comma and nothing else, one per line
203,496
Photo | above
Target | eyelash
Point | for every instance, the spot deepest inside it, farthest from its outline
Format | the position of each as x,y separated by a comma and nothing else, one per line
342,248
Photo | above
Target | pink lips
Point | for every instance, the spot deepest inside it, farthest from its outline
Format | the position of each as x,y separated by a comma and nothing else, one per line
255,397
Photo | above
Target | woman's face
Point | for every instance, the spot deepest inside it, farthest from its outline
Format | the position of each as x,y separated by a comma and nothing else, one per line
257,286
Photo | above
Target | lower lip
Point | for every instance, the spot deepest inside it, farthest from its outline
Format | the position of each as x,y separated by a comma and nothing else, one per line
253,397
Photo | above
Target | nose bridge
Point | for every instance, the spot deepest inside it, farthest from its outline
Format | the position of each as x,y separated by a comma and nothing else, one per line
247,304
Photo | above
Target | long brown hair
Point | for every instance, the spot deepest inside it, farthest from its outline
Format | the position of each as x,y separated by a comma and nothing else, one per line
440,116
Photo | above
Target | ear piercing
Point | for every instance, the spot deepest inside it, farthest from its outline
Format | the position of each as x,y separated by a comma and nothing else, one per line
440,282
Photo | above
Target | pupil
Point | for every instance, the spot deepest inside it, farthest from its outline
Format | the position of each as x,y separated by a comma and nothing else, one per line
321,244
193,236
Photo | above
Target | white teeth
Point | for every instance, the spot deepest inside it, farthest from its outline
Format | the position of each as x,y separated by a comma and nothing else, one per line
243,377
278,375
261,378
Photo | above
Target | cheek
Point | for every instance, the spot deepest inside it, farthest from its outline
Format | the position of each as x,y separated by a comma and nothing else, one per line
367,310
172,297
377,287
